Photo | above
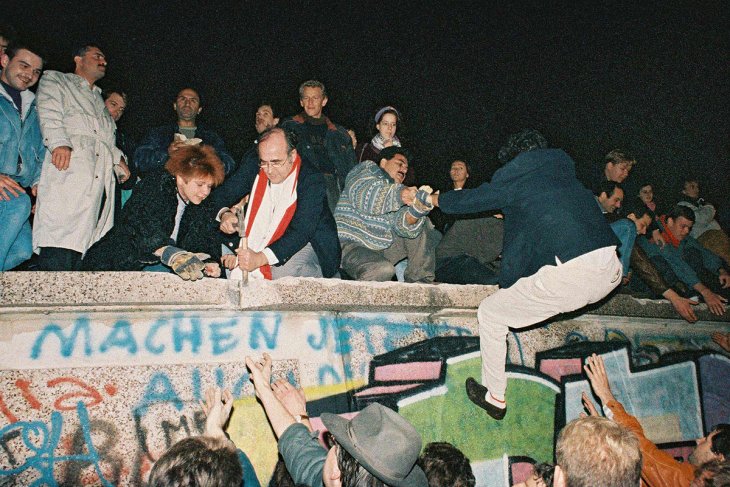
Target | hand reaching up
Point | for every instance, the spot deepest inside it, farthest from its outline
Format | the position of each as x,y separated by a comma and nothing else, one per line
596,372
260,372
217,408
588,405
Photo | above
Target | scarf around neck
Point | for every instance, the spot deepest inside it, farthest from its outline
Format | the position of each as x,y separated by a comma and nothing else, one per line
379,141
267,218
667,234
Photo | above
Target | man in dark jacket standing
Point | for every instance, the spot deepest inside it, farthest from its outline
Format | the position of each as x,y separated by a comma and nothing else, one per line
325,144
559,251
161,142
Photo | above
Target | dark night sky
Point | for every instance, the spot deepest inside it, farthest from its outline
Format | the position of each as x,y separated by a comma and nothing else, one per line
652,79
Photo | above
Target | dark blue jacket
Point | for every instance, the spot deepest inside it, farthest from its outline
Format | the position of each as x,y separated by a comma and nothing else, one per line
151,154
312,221
337,145
548,213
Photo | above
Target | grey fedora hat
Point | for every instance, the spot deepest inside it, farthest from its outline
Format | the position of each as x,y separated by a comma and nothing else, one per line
383,442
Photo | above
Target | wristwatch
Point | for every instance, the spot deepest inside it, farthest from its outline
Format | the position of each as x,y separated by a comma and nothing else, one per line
300,417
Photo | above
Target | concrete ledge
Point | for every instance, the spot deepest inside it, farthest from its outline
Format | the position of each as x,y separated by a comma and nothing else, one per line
128,290
95,289
625,305
338,295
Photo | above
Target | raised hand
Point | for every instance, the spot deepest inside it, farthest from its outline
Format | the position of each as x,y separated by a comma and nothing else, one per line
596,372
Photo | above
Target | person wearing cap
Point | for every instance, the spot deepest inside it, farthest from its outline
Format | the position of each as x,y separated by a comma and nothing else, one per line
376,446
386,124
381,221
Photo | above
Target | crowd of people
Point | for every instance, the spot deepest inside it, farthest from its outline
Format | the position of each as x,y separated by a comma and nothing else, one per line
73,188
378,447
307,200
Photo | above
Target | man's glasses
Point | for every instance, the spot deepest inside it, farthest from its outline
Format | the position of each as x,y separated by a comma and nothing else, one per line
273,164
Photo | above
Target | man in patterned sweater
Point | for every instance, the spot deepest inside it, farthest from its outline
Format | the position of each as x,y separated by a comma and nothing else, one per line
380,221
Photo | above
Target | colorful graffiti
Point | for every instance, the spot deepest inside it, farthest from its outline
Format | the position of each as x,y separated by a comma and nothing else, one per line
94,399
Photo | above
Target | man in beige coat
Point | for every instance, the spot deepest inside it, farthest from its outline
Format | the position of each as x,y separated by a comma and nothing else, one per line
75,206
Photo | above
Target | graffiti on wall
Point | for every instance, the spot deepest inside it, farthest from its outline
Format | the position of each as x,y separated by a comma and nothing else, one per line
96,399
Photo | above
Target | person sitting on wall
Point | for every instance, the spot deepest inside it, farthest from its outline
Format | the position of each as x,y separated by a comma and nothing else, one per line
208,460
684,259
444,464
167,221
161,142
386,124
378,447
616,167
380,221
460,260
647,200
609,196
595,451
459,178
289,227
706,229
644,276
659,468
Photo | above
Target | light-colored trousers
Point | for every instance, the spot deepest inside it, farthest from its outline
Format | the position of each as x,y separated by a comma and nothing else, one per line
551,290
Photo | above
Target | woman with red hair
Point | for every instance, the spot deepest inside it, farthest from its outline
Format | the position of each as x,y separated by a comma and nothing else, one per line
167,221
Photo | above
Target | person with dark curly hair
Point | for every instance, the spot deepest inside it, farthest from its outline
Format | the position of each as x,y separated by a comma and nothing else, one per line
167,221
714,473
444,464
559,252
541,476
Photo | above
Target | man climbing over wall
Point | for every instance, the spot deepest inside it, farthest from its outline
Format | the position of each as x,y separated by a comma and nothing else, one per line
559,252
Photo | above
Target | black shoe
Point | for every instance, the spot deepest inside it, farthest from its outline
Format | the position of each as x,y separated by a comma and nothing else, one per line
477,394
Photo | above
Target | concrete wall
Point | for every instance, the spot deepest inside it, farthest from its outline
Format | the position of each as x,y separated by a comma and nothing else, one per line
101,372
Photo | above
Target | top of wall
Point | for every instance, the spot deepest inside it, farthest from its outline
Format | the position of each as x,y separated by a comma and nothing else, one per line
52,291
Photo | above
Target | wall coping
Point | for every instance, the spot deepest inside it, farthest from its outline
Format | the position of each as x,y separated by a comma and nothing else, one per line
64,291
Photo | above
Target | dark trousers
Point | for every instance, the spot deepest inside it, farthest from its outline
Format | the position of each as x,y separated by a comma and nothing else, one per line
58,259
465,269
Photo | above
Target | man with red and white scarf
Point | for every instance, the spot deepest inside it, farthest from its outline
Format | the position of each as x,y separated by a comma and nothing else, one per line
289,228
